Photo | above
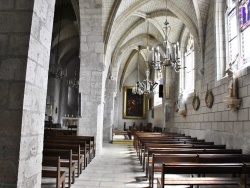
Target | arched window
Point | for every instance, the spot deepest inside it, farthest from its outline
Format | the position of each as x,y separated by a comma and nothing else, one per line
187,74
238,35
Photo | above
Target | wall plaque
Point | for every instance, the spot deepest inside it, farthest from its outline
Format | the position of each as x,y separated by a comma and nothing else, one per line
209,98
196,102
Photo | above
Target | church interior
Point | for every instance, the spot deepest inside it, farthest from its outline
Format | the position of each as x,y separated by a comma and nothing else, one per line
77,74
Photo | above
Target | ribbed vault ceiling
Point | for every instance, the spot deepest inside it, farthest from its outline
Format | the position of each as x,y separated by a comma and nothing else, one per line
129,24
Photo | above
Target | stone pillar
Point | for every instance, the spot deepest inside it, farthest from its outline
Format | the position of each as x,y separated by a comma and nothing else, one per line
109,111
25,39
168,97
91,81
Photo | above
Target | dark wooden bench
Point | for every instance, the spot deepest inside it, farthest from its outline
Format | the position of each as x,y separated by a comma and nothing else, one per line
90,142
223,170
170,140
140,135
179,145
142,140
76,154
145,145
184,151
64,154
58,174
158,159
59,131
72,127
83,150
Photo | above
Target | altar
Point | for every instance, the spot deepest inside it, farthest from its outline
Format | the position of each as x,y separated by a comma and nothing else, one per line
66,121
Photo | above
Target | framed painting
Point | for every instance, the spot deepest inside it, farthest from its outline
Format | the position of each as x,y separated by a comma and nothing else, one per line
133,104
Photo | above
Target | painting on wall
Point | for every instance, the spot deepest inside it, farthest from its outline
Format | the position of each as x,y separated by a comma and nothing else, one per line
133,104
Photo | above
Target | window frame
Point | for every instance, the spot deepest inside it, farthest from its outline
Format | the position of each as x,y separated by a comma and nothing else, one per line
241,28
189,50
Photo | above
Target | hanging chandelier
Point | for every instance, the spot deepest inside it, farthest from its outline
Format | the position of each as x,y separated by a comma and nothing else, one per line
146,86
171,56
138,88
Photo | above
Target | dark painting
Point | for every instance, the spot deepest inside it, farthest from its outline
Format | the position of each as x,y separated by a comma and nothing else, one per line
134,104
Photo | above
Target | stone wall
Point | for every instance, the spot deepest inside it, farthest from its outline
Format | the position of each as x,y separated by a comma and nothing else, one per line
91,84
25,38
218,123
110,96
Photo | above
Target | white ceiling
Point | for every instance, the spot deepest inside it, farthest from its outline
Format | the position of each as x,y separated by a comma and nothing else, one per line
129,26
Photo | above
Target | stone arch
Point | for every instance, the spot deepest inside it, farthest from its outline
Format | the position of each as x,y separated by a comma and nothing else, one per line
182,16
138,40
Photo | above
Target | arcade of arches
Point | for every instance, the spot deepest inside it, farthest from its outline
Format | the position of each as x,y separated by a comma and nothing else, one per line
96,42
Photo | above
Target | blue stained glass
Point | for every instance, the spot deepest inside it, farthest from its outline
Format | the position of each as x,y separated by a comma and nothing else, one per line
243,15
248,10
244,11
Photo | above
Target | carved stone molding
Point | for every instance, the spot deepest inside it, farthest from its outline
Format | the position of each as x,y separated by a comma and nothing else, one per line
232,102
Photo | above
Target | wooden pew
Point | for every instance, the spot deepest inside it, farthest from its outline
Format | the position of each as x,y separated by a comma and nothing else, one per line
184,151
159,137
143,141
90,141
59,131
76,154
146,143
64,154
187,145
158,159
170,140
139,135
211,169
83,150
58,174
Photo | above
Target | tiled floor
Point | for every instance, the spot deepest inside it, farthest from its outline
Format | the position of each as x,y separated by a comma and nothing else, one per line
117,167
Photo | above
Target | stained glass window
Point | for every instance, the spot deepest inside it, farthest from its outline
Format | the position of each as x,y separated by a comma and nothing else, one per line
238,19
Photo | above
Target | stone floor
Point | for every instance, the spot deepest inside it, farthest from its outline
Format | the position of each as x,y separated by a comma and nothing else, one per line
117,167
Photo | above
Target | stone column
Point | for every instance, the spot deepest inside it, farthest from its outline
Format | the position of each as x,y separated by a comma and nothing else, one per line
109,110
91,81
25,39
168,97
